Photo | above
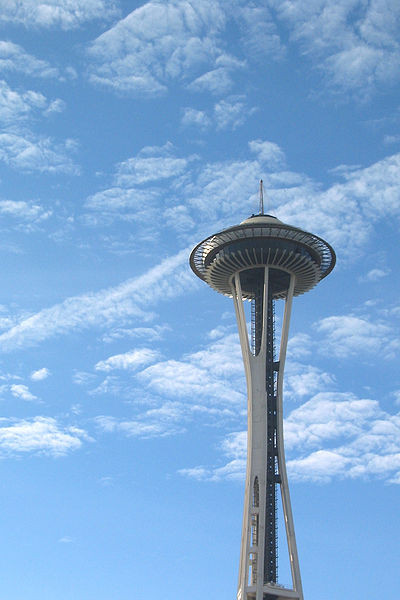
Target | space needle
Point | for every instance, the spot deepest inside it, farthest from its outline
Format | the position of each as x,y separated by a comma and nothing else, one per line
263,260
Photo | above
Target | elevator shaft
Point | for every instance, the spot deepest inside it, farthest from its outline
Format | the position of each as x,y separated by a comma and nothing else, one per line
272,469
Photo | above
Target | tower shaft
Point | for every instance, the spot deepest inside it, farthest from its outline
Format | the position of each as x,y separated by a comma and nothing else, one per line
265,454
272,467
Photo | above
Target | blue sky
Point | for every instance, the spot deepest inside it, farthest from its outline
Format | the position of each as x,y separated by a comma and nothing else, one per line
130,131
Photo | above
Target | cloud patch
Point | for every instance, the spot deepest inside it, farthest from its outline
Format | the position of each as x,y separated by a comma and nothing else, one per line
64,14
164,43
40,374
31,153
129,360
14,58
107,307
349,335
331,436
155,44
22,392
354,44
40,435
212,375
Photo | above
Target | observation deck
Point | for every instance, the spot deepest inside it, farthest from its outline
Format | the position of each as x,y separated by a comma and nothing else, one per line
261,241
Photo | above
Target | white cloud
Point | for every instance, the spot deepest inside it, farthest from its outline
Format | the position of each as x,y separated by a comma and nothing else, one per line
222,189
228,114
304,380
202,385
199,473
164,42
231,113
14,58
24,150
179,379
157,43
138,170
150,334
179,218
348,335
21,391
259,34
131,198
106,307
66,14
159,422
83,378
219,332
23,211
167,419
391,139
368,439
321,465
218,82
6,322
33,153
353,43
39,435
235,445
396,395
232,471
374,275
210,376
129,360
111,386
299,346
328,416
377,187
344,213
55,106
18,106
202,193
193,117
40,374
130,204
268,152
330,436
344,170
120,199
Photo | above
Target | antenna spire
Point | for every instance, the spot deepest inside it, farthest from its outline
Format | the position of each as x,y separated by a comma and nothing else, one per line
261,212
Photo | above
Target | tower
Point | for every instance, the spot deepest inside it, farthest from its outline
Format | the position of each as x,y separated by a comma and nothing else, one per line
263,260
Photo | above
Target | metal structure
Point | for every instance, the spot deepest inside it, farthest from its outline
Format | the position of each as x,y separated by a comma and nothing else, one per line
262,260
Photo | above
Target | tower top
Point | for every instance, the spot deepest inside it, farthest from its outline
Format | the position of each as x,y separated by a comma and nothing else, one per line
261,197
263,241
262,219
